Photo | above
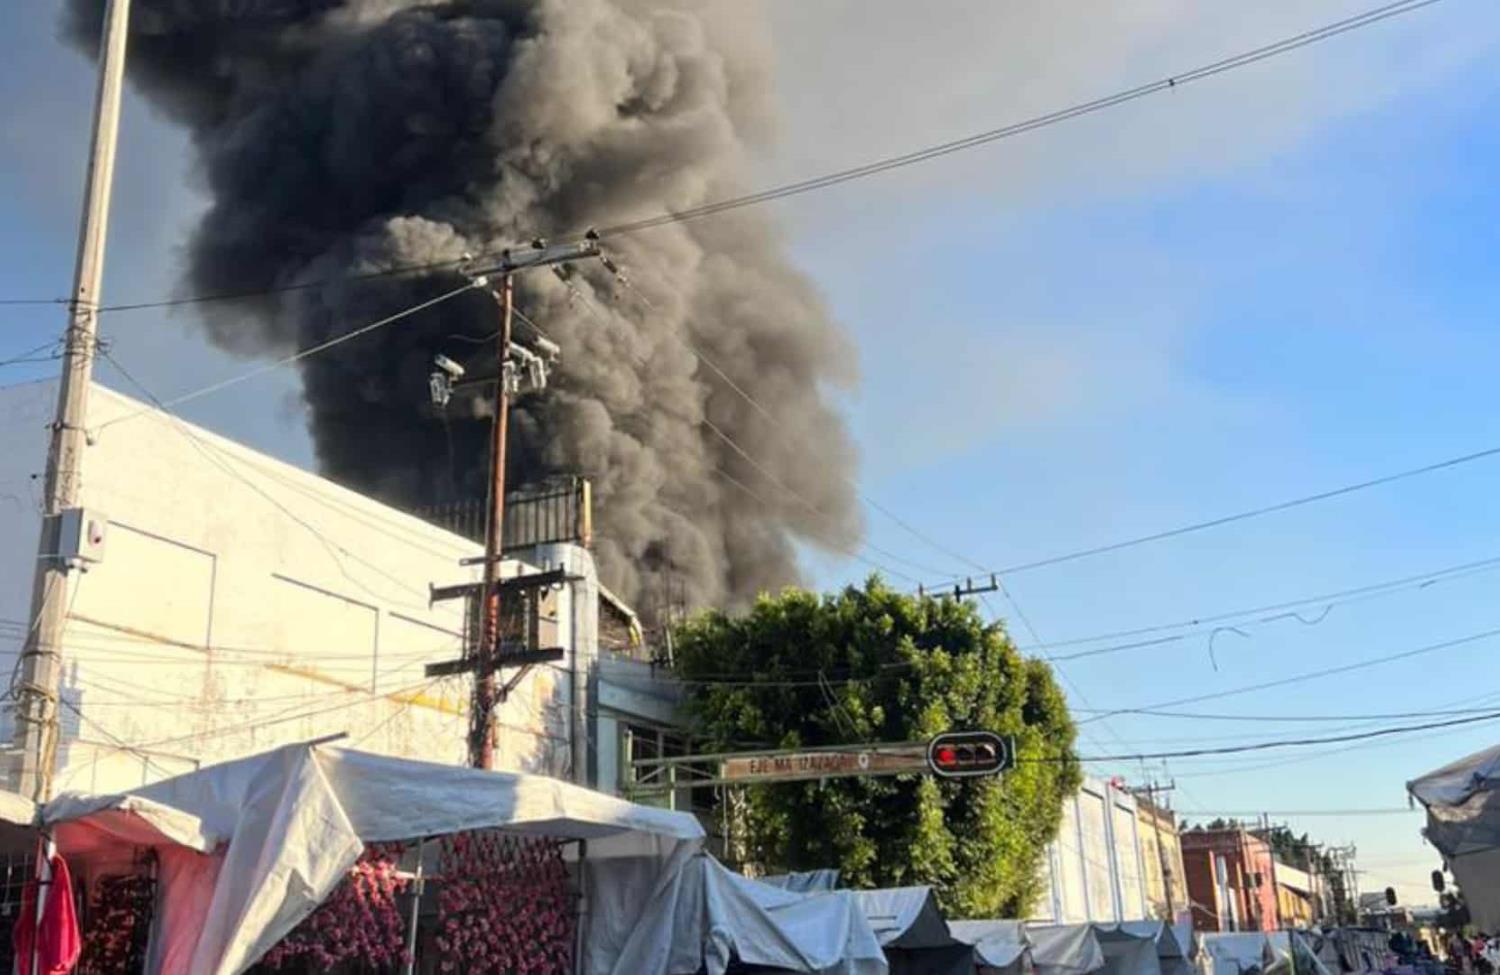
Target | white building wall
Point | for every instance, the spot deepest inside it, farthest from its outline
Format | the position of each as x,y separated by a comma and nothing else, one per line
1092,871
245,603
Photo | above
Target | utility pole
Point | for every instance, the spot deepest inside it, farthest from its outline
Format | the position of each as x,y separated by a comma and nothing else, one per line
38,691
1161,851
487,655
482,712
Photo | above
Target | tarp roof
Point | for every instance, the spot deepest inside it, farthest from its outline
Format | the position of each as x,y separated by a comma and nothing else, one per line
806,881
1463,822
1455,783
999,945
705,915
1065,949
285,827
905,917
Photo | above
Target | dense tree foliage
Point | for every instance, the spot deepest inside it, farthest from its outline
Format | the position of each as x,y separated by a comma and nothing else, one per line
872,665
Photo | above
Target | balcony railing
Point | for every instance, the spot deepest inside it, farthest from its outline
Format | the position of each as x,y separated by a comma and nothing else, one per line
548,514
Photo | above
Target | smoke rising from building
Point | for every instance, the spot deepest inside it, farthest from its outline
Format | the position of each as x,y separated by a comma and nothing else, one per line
340,137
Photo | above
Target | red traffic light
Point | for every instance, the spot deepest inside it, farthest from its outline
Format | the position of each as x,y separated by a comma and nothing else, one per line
960,754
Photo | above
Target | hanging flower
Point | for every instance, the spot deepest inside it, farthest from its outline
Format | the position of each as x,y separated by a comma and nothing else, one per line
507,906
358,924
118,925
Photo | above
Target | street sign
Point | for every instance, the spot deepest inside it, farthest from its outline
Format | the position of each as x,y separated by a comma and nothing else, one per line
963,754
824,764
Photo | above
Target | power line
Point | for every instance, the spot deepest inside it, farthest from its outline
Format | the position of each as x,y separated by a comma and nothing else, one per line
759,468
1282,611
778,425
889,163
216,456
1170,83
1285,743
1310,675
293,358
267,292
1253,512
32,355
1241,769
1387,716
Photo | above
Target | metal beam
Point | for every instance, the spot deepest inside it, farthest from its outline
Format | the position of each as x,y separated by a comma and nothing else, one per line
511,586
507,658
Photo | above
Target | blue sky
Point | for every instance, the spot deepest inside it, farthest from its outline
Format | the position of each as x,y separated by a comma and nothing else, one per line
1262,286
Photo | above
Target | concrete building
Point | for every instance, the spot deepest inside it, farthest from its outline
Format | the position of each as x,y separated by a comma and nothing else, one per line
1095,870
1161,858
239,602
1231,879
1297,900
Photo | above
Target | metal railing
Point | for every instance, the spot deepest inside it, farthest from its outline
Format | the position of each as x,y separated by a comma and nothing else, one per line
560,511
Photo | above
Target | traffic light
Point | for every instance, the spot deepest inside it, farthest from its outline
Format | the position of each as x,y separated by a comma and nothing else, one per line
961,754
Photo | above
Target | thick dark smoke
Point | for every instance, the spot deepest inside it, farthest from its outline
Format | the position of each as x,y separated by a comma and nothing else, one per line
339,137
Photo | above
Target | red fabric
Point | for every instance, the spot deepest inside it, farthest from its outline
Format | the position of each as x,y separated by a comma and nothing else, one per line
58,947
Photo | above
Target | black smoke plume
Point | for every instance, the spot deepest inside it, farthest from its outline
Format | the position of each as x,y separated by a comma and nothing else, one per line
341,137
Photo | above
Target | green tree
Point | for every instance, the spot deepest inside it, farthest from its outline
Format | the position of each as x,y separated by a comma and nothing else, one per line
872,665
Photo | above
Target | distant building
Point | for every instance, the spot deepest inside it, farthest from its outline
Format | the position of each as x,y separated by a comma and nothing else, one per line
1231,879
1298,900
1161,860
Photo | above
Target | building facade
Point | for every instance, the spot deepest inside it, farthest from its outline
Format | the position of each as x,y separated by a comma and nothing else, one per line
1297,900
1231,880
1095,870
238,603
1161,859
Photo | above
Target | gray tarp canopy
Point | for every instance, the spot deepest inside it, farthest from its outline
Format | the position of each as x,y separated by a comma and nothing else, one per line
914,933
806,882
713,916
1463,822
1064,949
1000,947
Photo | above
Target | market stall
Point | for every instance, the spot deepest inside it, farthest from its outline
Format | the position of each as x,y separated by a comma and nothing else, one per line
1065,949
913,932
1462,800
299,854
1000,947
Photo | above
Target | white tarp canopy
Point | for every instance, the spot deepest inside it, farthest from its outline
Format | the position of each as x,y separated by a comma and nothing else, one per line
1236,953
703,916
1244,952
1307,960
914,933
252,846
1000,947
17,824
1463,822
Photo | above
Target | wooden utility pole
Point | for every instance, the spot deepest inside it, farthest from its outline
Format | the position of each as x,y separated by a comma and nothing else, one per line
482,712
38,689
1161,851
485,653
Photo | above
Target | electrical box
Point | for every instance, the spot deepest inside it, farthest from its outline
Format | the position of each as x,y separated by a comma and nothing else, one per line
81,534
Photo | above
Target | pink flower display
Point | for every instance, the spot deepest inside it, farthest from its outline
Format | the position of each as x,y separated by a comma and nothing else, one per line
358,924
506,906
118,925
